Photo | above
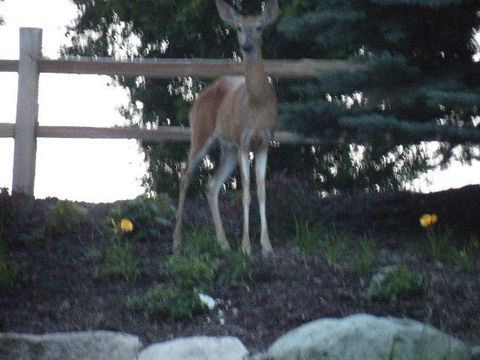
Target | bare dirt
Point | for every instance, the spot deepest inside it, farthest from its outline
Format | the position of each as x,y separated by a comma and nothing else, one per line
60,286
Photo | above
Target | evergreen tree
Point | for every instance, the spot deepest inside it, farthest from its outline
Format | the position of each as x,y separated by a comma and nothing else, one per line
420,82
419,75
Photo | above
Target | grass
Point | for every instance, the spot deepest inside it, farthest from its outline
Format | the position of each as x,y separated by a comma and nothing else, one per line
199,266
363,258
308,240
190,272
65,218
311,241
339,248
8,269
166,301
8,273
120,260
237,269
199,242
396,284
440,247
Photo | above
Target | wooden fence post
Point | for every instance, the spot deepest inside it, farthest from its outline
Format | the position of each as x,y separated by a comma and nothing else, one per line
27,111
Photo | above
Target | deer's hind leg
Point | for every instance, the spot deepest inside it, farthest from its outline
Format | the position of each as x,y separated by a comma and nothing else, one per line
195,156
228,162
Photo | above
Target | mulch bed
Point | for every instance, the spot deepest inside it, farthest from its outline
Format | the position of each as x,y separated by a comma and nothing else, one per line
61,288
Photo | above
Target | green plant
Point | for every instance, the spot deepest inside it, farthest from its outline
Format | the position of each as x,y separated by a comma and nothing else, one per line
396,284
237,268
189,272
120,260
180,300
464,260
176,303
149,216
363,258
65,218
335,247
475,243
8,273
308,240
440,247
8,269
94,254
199,242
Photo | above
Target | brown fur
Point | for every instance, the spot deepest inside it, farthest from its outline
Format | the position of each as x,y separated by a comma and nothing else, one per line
241,112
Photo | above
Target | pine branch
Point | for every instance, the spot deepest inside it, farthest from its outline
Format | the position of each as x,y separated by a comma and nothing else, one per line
367,127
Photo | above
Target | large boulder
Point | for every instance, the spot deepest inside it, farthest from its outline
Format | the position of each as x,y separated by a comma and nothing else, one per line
95,345
360,337
196,348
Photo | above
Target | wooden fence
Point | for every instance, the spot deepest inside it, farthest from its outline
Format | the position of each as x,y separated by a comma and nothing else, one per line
26,130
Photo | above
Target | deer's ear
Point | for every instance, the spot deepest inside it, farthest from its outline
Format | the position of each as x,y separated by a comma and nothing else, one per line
270,12
226,12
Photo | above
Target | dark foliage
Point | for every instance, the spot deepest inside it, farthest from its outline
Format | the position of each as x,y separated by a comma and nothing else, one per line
418,83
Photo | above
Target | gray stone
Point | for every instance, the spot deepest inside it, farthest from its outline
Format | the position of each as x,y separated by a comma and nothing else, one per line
96,345
361,337
196,348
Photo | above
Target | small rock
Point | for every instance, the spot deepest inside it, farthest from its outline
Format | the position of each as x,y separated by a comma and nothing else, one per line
208,301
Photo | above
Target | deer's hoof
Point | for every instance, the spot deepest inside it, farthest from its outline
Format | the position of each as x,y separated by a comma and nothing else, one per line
267,252
246,249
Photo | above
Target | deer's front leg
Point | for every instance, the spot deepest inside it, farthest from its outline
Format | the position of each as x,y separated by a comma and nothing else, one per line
260,171
245,172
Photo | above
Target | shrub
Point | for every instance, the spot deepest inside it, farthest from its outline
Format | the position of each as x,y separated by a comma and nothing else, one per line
363,258
464,260
307,240
176,303
8,273
336,247
8,269
120,260
396,284
237,268
199,242
150,215
189,272
65,218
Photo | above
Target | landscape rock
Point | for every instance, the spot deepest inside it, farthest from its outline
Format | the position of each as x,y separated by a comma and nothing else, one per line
360,337
196,348
88,345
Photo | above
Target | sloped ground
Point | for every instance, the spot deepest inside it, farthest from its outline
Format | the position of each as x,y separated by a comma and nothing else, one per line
61,286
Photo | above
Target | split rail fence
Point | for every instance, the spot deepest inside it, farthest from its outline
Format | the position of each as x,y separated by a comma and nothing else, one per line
31,63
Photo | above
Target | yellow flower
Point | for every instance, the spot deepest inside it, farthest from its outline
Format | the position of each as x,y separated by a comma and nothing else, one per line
126,225
425,220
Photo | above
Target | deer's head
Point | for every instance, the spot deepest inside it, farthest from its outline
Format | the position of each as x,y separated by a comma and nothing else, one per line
249,28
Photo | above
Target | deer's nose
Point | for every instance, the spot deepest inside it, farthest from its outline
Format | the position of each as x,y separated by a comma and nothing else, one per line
247,48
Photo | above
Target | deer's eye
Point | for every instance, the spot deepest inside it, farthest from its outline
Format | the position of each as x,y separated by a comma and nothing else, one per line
239,29
258,28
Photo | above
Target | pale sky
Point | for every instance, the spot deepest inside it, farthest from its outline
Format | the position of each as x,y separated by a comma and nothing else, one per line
76,169
93,170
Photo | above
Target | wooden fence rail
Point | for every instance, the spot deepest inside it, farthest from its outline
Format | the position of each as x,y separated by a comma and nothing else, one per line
26,130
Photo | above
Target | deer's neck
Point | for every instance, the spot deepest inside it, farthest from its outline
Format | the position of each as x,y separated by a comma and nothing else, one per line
256,80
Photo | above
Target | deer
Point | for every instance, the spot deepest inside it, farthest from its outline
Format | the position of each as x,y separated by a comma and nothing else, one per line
240,114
